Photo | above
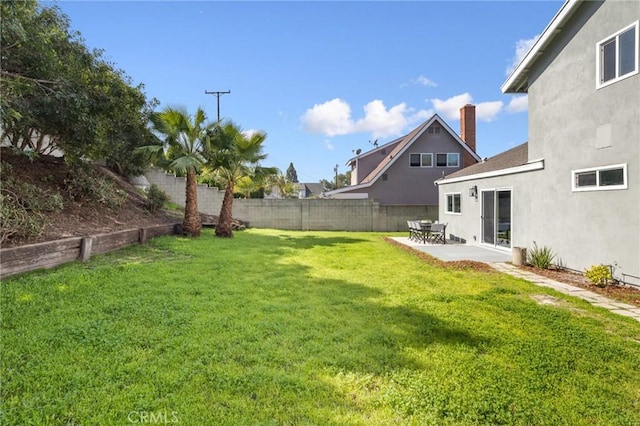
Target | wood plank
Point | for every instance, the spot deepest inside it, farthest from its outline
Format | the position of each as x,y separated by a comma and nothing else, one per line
30,250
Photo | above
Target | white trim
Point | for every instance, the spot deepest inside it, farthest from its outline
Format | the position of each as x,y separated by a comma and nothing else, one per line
597,186
446,203
495,245
447,160
517,78
420,154
529,167
348,195
616,36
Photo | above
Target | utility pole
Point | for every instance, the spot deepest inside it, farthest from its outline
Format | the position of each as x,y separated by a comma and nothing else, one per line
335,169
218,94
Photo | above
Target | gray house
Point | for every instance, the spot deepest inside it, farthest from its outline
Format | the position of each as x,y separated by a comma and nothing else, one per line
402,172
575,186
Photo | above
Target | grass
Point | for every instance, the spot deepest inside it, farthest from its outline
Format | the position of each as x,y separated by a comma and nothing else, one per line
283,327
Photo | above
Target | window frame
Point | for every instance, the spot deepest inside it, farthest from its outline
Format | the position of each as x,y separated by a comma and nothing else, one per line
447,154
429,154
453,203
599,56
598,186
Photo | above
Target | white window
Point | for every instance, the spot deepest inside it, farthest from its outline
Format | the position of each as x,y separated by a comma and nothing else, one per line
453,203
448,160
421,160
617,56
600,178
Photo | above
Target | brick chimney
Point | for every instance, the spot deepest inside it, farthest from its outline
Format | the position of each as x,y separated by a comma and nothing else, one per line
468,132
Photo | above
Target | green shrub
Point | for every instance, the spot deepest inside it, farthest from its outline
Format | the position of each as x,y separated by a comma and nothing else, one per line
155,198
540,257
599,275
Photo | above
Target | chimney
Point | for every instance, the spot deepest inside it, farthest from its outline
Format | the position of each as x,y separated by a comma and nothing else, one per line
468,132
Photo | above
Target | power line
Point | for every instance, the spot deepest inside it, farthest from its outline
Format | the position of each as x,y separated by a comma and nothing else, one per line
218,94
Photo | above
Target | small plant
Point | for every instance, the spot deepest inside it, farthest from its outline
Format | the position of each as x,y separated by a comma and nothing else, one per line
155,198
599,275
85,184
541,258
23,206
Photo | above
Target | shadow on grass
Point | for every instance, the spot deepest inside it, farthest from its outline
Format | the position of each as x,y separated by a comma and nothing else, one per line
242,339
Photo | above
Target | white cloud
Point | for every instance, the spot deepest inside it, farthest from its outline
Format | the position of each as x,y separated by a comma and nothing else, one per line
487,111
425,81
450,108
518,104
522,48
331,118
327,144
382,122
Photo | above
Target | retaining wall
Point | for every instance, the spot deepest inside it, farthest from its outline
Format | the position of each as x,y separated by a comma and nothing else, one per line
54,253
316,214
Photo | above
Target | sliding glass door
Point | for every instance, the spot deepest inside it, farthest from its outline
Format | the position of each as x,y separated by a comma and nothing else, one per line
496,218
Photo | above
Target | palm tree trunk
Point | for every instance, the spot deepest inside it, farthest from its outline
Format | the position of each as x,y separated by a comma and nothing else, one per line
191,224
225,222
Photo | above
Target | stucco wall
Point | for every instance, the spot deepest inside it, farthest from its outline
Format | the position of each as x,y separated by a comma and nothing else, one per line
414,185
565,111
300,214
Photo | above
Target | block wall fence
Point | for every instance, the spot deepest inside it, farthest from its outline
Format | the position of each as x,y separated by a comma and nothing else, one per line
308,214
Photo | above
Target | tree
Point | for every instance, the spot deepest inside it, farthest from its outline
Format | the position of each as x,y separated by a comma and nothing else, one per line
344,179
292,175
55,93
234,155
184,149
282,184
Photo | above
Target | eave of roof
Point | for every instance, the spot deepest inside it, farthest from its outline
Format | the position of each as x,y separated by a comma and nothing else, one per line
510,159
517,82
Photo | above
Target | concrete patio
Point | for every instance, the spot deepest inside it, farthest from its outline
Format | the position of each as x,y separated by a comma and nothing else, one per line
456,251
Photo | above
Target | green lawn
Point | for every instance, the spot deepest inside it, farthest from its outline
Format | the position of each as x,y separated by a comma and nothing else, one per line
282,327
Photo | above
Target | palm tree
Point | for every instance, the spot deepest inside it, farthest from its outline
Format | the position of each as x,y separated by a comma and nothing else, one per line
234,154
184,149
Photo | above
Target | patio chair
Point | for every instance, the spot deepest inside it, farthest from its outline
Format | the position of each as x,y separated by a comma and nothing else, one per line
438,233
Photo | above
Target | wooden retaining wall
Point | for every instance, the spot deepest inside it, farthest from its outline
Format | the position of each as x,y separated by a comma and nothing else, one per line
53,253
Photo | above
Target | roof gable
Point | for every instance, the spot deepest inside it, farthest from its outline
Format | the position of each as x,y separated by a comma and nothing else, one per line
407,141
517,82
404,143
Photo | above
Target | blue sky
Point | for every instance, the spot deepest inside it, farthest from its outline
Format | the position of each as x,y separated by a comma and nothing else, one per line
323,79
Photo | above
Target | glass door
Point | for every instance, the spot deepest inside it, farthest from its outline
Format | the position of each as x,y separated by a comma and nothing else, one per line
488,217
503,216
496,218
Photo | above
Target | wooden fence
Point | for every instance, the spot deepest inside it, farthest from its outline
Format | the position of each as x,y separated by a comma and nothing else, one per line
53,253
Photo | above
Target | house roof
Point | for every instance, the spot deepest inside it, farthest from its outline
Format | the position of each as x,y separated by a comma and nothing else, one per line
405,142
514,157
517,82
314,187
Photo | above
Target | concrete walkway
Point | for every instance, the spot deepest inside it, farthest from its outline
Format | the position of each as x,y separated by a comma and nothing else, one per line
498,259
595,299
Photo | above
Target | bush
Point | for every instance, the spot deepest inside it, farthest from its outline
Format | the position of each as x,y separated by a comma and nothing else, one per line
599,275
22,206
541,258
155,198
86,184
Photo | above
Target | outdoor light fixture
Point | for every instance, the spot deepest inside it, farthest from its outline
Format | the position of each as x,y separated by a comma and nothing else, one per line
473,192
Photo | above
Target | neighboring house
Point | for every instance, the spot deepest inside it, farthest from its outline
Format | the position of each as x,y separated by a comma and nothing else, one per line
575,186
402,172
309,189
